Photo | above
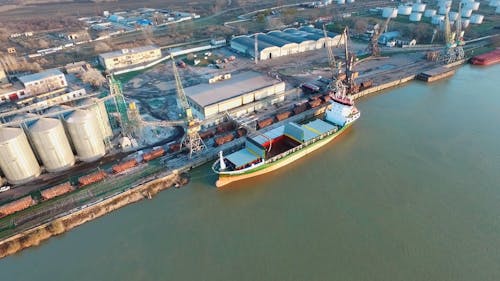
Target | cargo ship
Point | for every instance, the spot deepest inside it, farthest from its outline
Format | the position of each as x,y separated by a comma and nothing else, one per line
280,146
487,58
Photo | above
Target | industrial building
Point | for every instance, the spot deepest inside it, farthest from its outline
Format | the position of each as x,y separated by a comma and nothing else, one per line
208,100
283,43
43,82
126,58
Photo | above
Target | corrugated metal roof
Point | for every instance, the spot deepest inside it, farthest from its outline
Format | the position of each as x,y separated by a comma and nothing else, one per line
40,75
241,157
304,34
120,53
249,42
239,84
273,40
288,37
313,30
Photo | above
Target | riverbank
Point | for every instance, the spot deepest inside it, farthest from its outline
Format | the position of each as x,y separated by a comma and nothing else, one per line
34,236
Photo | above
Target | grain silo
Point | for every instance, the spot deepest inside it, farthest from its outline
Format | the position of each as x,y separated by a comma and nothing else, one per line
341,2
476,19
404,10
497,10
99,108
84,132
50,142
437,19
453,16
416,17
418,7
443,10
389,12
18,161
429,13
472,5
466,13
350,1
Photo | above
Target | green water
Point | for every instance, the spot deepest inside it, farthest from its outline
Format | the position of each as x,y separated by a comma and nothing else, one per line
409,192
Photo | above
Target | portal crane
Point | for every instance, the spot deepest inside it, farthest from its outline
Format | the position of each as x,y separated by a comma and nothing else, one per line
453,50
331,58
373,47
192,139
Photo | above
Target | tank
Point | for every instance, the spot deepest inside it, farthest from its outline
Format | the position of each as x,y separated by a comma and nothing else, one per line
50,142
389,12
404,10
444,3
99,109
494,3
497,10
466,13
341,2
350,1
465,23
429,13
443,10
453,16
418,7
416,16
476,19
437,19
18,161
84,131
472,5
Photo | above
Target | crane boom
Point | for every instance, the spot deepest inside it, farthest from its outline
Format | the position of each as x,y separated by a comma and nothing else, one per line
331,57
181,95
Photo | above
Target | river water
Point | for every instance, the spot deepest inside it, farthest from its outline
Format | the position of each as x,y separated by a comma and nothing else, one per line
410,192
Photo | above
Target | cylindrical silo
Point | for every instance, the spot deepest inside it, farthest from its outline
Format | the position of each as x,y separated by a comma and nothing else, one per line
416,16
465,23
84,131
17,160
444,3
50,142
389,12
404,10
341,2
99,108
429,13
472,5
350,1
466,13
497,10
453,16
494,3
476,19
418,7
443,10
437,19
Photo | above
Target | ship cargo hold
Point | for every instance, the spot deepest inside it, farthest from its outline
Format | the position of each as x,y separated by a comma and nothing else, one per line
50,142
17,161
84,130
271,150
487,58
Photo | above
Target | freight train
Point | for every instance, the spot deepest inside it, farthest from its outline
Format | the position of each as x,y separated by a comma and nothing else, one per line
66,187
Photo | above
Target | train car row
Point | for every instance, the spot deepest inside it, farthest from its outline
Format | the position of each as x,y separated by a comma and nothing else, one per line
66,187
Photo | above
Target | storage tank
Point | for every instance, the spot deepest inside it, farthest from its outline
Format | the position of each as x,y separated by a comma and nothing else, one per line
494,3
416,16
476,19
497,10
443,10
466,13
350,1
418,7
341,2
404,10
389,12
18,161
444,3
84,131
50,142
437,19
429,13
453,16
465,23
99,108
472,5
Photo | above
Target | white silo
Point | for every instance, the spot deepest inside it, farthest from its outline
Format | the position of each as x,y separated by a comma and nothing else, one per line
99,108
341,2
84,131
18,161
418,7
437,19
465,23
429,13
389,12
404,10
350,1
494,3
466,13
444,3
476,19
416,17
497,10
50,142
472,5
453,16
443,10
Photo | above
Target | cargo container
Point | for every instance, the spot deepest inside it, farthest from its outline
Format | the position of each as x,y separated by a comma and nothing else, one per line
207,134
155,153
241,132
57,190
223,139
91,178
283,115
16,206
264,122
118,168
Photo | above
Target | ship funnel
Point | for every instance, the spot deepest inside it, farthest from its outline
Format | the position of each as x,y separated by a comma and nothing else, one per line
221,161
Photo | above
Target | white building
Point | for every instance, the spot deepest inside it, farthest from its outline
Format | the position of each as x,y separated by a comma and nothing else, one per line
129,57
43,82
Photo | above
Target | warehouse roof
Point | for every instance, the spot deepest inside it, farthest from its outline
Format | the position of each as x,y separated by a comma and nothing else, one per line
239,84
273,40
304,34
40,75
313,30
287,36
120,53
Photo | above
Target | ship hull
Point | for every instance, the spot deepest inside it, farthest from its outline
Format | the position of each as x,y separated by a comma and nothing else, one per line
225,179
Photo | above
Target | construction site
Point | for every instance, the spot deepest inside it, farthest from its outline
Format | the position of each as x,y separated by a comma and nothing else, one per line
65,143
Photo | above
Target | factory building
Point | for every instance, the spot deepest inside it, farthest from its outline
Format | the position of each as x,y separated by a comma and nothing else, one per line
129,57
43,82
283,43
208,100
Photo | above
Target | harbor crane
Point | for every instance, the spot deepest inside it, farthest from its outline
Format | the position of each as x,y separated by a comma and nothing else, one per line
453,50
331,58
191,140
373,47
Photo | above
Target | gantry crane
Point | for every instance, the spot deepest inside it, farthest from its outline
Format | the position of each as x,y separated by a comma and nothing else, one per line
192,139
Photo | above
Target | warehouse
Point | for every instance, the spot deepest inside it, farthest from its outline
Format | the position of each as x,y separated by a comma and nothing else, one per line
304,44
286,47
208,100
44,81
129,57
246,45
